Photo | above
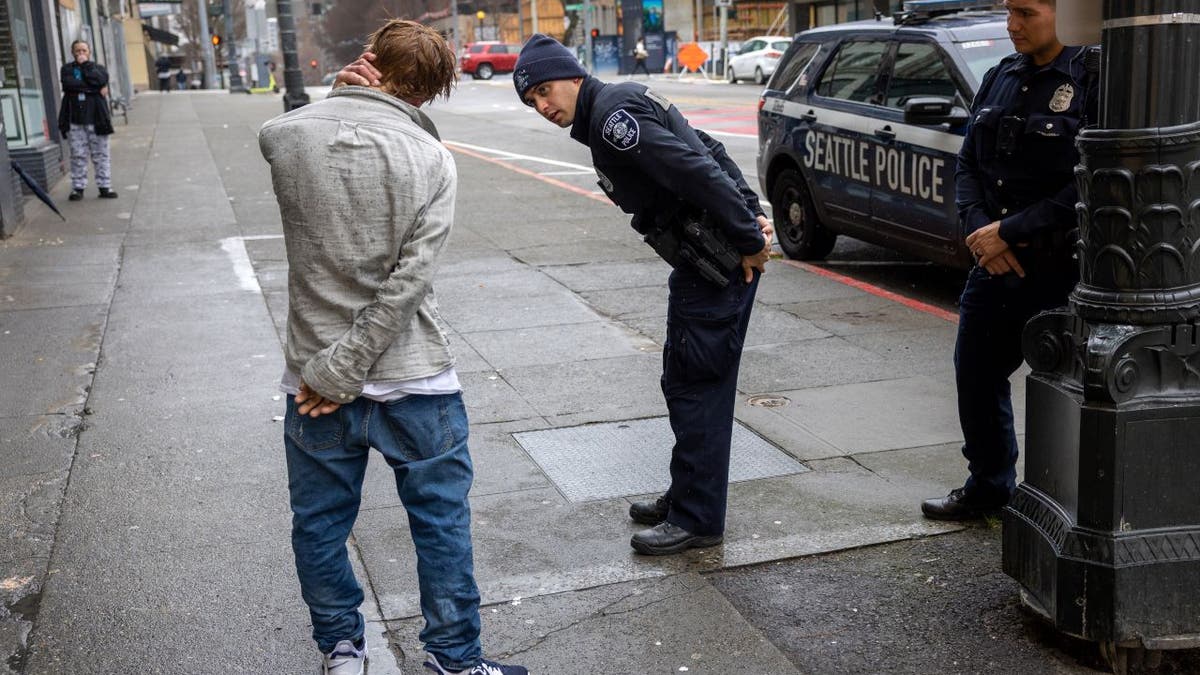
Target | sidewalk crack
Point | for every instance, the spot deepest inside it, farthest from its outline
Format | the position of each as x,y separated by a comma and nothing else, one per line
602,613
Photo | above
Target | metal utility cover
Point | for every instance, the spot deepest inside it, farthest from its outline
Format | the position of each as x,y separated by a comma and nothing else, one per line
620,459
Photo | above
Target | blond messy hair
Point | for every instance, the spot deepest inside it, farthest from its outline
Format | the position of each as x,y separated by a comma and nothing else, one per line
416,61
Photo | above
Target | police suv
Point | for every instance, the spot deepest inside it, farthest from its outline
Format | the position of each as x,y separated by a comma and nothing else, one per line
860,126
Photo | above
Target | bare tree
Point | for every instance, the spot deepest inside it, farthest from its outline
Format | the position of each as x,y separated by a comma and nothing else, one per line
189,25
348,23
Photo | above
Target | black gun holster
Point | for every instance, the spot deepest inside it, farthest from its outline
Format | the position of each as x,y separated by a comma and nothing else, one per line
683,239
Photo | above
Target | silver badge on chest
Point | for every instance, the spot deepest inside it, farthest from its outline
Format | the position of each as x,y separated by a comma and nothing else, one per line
1061,100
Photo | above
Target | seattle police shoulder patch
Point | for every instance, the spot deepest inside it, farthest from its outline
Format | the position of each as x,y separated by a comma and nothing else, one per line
620,130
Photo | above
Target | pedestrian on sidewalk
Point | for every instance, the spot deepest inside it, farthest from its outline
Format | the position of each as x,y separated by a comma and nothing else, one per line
162,68
86,121
1016,198
639,58
366,195
656,167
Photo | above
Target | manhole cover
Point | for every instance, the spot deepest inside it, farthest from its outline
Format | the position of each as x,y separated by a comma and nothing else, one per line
620,459
768,401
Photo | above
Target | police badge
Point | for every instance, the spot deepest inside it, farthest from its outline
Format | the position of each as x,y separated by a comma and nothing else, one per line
1062,98
620,130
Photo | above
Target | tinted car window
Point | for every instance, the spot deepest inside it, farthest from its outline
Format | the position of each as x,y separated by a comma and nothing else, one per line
854,73
981,55
514,49
919,71
478,49
781,45
752,46
787,77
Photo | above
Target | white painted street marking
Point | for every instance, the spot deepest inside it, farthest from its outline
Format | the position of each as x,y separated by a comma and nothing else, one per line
235,248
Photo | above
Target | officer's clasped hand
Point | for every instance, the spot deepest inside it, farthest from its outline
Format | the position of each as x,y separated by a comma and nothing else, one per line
758,261
361,73
993,253
767,229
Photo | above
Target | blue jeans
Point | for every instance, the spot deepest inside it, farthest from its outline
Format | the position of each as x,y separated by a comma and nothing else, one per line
992,314
706,328
424,440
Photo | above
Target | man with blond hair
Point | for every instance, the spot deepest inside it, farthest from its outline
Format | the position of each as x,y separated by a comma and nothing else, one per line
366,195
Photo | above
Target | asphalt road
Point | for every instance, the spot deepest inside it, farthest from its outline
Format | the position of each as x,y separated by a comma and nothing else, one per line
932,605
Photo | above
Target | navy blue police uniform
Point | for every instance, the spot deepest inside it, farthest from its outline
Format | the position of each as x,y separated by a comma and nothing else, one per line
652,164
1016,166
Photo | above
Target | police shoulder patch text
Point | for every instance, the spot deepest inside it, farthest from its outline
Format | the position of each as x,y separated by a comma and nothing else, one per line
620,130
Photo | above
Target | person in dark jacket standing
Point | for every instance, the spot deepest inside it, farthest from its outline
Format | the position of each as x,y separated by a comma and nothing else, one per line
85,120
1016,201
162,68
669,177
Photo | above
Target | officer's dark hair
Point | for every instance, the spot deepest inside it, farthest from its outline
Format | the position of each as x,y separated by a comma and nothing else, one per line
415,60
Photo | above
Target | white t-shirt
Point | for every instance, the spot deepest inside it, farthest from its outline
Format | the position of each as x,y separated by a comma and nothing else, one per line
445,382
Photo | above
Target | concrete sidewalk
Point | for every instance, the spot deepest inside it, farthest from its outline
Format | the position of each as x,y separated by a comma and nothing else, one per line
145,495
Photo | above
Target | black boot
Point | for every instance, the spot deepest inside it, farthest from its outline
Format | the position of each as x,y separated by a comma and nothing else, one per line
76,195
665,539
106,193
958,505
650,513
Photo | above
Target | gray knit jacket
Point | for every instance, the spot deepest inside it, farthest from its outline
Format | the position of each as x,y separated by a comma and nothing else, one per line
366,193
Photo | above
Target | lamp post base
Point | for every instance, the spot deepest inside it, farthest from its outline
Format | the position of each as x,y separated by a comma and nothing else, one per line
294,99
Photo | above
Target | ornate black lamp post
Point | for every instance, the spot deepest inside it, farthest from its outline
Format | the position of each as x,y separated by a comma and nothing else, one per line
293,79
236,86
1104,534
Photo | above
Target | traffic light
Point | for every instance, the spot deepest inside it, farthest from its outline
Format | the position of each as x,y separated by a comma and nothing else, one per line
312,64
216,40
595,33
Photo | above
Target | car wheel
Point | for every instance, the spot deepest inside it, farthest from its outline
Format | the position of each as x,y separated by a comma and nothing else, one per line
732,76
801,235
759,78
484,72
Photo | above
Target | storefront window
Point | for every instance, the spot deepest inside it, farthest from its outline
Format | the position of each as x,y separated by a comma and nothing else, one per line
20,97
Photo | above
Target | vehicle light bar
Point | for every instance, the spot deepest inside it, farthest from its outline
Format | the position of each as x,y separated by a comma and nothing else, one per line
917,11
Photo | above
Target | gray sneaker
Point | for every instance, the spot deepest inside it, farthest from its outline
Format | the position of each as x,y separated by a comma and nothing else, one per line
345,659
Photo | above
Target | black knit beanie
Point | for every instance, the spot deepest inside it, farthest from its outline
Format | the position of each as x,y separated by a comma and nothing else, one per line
544,59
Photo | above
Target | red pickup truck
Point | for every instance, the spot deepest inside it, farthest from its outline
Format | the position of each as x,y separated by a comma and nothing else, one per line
482,59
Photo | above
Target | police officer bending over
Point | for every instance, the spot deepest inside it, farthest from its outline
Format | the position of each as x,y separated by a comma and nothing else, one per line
1016,201
690,202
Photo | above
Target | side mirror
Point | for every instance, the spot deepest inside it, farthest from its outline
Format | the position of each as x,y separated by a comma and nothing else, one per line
933,110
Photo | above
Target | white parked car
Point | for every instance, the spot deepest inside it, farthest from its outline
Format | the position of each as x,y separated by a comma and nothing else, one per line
757,58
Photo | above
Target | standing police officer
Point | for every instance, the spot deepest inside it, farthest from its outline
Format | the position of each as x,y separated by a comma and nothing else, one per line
653,165
1016,201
